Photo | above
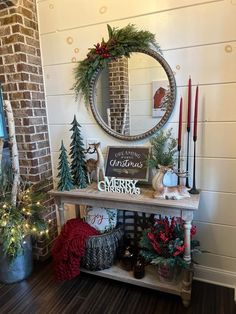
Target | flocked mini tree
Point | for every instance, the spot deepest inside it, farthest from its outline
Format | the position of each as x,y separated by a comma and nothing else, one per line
65,181
77,154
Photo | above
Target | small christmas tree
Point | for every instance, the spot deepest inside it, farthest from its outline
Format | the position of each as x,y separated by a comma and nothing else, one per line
65,182
78,169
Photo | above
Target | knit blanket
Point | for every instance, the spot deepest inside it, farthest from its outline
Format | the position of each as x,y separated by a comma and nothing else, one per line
69,247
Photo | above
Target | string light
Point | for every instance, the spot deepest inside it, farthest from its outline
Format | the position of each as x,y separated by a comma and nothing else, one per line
20,221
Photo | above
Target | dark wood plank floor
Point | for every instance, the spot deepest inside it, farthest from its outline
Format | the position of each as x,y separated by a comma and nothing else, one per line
90,294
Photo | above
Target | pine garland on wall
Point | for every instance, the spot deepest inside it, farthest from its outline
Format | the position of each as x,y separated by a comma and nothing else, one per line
65,181
77,155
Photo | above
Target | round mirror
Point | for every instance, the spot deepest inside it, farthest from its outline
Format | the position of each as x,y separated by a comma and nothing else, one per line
132,98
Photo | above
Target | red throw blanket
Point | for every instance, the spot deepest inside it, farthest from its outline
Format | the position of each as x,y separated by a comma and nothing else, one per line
69,247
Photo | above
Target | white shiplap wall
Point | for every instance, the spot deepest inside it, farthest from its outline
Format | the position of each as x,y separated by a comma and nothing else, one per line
198,39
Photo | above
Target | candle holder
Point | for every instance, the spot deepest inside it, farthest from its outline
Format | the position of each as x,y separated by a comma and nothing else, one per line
179,149
187,162
194,189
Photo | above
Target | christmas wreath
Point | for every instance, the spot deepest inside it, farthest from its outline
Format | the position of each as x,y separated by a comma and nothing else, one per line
121,42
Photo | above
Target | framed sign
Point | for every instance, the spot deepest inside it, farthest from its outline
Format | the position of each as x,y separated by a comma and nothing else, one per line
127,162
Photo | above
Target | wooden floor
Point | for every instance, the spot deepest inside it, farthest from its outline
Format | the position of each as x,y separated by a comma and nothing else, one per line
91,294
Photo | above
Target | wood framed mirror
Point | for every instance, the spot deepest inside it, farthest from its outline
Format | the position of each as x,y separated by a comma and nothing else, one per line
132,98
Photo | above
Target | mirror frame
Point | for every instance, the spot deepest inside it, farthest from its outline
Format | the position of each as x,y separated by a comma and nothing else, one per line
164,119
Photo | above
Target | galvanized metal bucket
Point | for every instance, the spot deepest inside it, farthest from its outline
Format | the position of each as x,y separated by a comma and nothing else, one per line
18,269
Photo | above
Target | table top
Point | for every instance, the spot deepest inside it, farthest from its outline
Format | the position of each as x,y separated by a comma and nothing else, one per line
145,198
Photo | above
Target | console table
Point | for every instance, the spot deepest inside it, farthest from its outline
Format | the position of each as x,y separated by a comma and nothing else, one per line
140,203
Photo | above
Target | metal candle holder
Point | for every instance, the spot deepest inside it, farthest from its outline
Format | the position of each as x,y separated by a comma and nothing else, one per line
179,149
193,189
187,162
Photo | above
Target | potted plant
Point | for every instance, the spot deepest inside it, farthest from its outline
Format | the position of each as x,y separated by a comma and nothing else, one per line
164,148
20,212
17,224
163,245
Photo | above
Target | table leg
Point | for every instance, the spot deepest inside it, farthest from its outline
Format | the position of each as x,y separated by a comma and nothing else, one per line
61,211
188,274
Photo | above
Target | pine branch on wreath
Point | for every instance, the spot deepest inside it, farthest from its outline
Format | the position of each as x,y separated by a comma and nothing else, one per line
121,42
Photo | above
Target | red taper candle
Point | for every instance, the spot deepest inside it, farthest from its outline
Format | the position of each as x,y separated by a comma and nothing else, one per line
180,123
189,104
195,116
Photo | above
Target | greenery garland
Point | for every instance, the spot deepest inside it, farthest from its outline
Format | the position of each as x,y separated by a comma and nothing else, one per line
121,42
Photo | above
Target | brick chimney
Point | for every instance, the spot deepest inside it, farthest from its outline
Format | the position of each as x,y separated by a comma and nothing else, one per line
22,81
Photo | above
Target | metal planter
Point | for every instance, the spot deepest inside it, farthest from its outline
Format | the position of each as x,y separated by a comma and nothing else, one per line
18,269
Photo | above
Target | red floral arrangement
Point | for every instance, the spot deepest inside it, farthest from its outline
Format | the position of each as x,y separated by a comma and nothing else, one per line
163,243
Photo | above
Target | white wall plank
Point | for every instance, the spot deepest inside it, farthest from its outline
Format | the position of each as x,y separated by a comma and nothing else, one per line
216,174
166,25
206,64
218,208
59,103
216,238
51,12
216,261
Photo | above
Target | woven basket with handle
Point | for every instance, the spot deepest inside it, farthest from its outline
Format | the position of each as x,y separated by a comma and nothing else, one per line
102,250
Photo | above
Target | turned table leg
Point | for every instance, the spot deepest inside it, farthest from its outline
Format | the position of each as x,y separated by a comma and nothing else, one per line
188,274
61,211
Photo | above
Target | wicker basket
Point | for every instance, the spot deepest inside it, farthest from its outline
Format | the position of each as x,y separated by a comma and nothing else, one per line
101,250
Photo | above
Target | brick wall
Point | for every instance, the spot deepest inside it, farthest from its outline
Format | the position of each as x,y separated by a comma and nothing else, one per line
22,81
119,95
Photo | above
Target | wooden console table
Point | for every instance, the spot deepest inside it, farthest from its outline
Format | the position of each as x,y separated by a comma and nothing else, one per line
139,203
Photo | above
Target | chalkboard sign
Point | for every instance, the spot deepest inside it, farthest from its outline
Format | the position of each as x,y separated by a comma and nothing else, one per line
127,162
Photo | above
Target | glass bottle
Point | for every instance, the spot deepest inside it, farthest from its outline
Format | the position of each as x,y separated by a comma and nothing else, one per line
139,268
127,259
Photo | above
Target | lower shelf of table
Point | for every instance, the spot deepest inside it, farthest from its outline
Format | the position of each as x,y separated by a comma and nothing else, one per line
149,281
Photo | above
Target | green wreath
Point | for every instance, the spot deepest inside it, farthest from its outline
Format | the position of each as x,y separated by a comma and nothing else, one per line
121,42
